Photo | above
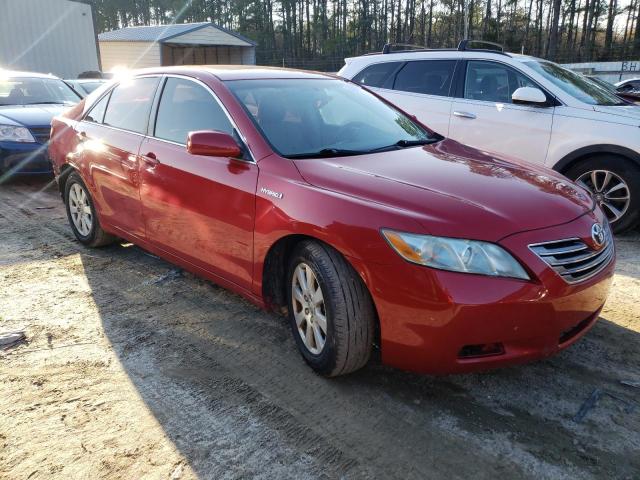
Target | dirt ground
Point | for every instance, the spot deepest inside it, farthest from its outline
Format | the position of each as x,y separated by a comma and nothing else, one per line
134,369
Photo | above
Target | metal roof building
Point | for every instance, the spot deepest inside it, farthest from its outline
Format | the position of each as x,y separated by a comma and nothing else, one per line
48,36
177,44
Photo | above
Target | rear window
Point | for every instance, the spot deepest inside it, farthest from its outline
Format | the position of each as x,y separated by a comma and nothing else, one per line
97,111
431,77
377,74
130,104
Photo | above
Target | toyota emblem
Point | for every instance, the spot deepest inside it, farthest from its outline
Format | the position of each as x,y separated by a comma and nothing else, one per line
597,234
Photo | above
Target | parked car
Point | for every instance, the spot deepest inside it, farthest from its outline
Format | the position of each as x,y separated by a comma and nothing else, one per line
28,102
629,88
520,106
612,88
301,190
84,87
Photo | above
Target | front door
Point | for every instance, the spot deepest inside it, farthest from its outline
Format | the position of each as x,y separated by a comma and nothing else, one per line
198,208
485,118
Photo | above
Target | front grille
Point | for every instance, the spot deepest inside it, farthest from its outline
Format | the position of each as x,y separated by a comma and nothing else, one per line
573,259
41,134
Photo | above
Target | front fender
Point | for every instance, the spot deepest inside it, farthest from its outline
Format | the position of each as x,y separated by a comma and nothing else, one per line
348,224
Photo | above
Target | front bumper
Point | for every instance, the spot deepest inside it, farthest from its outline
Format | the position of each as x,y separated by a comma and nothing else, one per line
24,158
429,318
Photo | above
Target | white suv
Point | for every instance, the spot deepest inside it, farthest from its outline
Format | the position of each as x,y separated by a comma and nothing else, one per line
519,106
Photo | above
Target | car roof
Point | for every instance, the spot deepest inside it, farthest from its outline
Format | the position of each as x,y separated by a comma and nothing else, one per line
17,74
241,72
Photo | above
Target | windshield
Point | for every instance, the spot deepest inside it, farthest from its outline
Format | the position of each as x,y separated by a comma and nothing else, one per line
577,86
306,118
32,91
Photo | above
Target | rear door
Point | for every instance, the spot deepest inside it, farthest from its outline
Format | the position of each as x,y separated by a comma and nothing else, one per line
423,88
485,117
198,208
111,134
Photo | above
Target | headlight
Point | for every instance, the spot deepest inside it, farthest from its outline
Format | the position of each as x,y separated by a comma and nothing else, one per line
468,256
9,133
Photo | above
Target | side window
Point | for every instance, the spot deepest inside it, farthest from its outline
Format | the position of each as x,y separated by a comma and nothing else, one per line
96,114
130,104
493,82
186,106
377,74
432,77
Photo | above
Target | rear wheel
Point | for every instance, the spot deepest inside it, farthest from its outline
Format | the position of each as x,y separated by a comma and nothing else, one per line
614,183
330,310
82,214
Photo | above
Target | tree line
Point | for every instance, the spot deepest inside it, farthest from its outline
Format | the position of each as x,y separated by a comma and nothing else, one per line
319,34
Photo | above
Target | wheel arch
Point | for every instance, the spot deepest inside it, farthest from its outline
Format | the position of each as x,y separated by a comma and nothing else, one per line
65,170
275,266
274,273
569,160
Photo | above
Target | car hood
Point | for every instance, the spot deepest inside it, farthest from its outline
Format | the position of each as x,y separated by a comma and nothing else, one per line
628,111
454,190
30,115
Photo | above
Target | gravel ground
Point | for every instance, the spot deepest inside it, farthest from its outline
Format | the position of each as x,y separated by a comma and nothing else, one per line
134,369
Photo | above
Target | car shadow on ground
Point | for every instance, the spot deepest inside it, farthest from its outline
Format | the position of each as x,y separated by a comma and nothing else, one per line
197,353
231,392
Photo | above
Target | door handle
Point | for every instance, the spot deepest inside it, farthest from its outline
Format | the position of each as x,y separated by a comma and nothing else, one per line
150,159
468,115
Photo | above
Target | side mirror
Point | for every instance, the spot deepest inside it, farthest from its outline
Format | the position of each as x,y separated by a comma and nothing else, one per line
529,96
212,144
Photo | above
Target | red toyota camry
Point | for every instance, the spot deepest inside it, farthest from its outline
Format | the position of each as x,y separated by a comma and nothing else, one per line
304,191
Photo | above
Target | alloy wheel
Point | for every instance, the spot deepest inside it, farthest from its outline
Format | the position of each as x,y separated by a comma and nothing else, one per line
609,190
309,308
80,209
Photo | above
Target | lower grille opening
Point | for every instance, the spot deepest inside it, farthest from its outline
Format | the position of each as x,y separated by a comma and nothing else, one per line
573,331
481,350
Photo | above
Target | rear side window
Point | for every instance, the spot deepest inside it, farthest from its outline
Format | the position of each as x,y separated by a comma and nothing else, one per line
377,74
431,77
185,107
130,104
96,114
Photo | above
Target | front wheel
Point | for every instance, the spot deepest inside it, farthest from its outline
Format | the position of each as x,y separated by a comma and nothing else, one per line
614,183
330,310
82,213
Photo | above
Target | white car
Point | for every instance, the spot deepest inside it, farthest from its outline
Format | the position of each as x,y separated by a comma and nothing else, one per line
519,106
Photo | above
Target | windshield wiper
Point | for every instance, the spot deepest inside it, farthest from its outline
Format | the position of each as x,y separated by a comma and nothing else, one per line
404,144
328,152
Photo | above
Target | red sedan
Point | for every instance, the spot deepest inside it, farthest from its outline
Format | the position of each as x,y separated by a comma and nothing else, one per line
312,195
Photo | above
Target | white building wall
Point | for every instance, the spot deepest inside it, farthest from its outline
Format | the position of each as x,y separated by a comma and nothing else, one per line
129,54
47,36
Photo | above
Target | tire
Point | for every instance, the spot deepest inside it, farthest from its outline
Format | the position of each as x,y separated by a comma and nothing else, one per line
91,233
620,170
346,306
